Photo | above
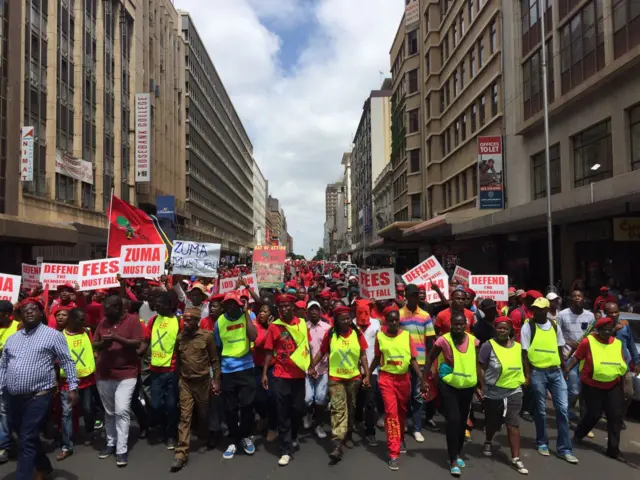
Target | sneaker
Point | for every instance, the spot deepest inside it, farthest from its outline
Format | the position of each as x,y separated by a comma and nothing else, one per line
122,459
98,424
487,449
107,452
403,447
349,443
4,456
393,464
460,463
320,433
418,437
543,450
431,425
526,416
624,425
171,444
467,436
307,422
143,433
371,440
591,435
230,452
519,466
569,458
248,446
380,422
295,445
455,471
177,464
284,460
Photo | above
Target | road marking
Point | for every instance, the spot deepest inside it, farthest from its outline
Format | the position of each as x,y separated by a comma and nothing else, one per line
637,444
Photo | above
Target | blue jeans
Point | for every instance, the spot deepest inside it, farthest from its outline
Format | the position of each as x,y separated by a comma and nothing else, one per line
315,390
416,403
28,416
5,430
164,401
573,384
552,380
88,413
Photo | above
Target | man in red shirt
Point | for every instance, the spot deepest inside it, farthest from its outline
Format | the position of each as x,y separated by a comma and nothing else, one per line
306,276
523,313
458,303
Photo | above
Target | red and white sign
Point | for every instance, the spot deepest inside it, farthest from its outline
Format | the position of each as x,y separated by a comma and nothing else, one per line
427,270
9,287
461,275
26,158
146,261
95,274
377,284
30,275
443,283
143,138
54,274
495,287
229,284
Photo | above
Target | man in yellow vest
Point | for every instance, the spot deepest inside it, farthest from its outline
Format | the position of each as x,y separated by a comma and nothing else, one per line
234,332
542,343
8,327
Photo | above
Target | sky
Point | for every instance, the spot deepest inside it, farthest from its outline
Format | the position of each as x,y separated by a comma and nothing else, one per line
298,73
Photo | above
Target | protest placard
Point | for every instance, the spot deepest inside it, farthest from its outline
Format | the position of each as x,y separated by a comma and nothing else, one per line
9,287
229,284
30,275
195,258
443,284
145,261
268,265
427,270
377,284
96,274
54,274
461,275
495,287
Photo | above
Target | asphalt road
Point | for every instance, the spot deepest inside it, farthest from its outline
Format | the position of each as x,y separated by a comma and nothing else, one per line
311,462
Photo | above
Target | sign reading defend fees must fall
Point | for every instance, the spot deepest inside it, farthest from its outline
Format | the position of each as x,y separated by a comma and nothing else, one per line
377,284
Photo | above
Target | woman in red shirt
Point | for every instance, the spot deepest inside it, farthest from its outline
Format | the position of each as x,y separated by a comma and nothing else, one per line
602,368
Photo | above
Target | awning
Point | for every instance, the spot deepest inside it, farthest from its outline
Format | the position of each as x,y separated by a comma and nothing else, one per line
442,225
14,229
395,229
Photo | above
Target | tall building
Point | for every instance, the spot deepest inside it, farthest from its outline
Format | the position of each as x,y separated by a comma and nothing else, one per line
344,209
331,199
219,154
371,152
275,215
259,206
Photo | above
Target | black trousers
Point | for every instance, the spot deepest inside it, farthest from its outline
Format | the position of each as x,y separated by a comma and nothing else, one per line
455,404
368,404
238,392
596,401
290,409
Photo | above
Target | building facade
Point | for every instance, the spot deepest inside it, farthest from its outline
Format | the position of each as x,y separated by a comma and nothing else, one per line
259,205
276,220
331,199
344,209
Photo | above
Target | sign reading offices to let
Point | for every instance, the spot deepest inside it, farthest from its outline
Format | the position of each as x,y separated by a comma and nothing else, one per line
143,138
490,167
268,265
195,258
26,155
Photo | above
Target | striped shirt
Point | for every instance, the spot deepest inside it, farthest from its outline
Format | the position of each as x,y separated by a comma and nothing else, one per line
420,326
28,358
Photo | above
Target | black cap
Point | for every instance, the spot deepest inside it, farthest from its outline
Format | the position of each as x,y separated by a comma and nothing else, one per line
411,289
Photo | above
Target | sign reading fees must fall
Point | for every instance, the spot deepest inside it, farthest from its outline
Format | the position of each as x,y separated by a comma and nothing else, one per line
377,284
97,274
495,287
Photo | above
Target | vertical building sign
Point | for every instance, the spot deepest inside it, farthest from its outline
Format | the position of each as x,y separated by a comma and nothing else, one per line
490,165
26,158
143,137
411,15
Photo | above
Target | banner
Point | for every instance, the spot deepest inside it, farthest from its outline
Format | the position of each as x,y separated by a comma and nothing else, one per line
427,270
491,188
442,283
495,287
195,258
30,275
268,265
9,287
229,284
166,205
26,156
411,15
74,167
54,274
145,261
142,141
96,274
461,275
377,284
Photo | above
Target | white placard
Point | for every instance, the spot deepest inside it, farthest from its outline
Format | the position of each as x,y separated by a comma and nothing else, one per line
377,284
461,275
9,287
443,283
97,274
146,261
30,275
229,284
495,287
54,274
427,270
195,258
26,154
143,138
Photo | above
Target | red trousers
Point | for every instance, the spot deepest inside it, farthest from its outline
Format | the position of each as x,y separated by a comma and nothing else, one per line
395,391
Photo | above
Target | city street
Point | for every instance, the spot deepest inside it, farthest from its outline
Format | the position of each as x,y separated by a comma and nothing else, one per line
311,462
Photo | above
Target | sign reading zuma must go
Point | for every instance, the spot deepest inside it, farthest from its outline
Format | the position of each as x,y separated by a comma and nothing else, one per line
377,284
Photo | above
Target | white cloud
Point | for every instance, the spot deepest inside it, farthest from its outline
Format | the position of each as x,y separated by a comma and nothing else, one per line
300,121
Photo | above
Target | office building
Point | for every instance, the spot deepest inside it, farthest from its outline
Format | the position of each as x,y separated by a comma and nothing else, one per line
331,199
276,220
259,205
344,213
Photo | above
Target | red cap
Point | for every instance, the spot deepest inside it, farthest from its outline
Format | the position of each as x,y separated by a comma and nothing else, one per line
285,298
604,289
218,297
603,322
470,291
34,300
301,304
390,308
534,294
67,285
234,297
422,287
244,293
503,320
512,290
325,294
341,309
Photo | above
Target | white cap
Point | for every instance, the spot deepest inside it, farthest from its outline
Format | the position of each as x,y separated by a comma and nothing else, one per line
551,296
313,303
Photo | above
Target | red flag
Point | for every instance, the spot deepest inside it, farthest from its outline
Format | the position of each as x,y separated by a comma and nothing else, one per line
129,225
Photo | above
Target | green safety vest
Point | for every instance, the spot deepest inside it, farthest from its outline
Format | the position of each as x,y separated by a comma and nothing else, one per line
163,340
344,354
510,359
396,352
81,352
464,374
301,357
233,335
608,362
543,351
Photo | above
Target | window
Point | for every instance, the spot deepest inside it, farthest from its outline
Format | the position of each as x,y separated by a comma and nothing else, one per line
413,81
473,117
430,201
531,12
414,121
447,92
448,139
532,82
461,22
463,126
416,206
481,114
470,10
474,181
626,26
441,101
472,61
462,73
634,130
414,161
480,53
449,194
493,45
427,107
65,191
463,179
454,31
443,146
538,162
456,134
427,67
455,84
494,99
592,155
89,196
457,180
412,42
446,45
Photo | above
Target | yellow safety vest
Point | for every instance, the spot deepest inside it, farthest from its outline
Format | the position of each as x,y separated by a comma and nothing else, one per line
6,332
608,362
301,356
344,354
233,335
163,340
510,359
465,374
396,352
543,351
82,354
505,311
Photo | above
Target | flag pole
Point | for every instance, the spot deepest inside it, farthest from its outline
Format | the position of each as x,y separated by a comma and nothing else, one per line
109,223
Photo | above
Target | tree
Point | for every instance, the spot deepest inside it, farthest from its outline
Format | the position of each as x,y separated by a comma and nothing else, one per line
321,254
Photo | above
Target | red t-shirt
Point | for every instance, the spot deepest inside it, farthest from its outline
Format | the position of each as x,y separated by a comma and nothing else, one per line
147,336
325,346
207,323
583,352
443,321
258,350
376,314
82,382
327,318
307,278
117,362
518,321
281,343
378,353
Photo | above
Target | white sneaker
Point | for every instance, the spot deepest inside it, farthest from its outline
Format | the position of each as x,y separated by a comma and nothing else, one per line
380,422
284,460
418,437
307,422
320,433
230,452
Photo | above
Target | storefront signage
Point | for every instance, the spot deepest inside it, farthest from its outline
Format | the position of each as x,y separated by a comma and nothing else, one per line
26,158
143,138
626,229
490,166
